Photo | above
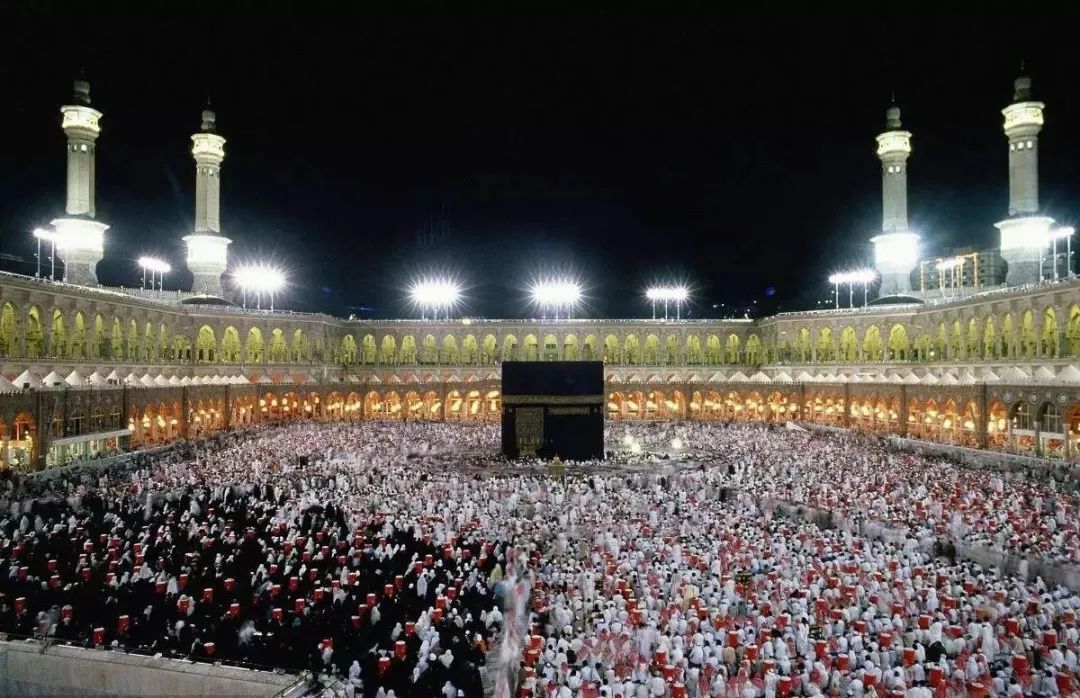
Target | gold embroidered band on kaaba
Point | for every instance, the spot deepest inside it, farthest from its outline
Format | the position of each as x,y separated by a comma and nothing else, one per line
553,399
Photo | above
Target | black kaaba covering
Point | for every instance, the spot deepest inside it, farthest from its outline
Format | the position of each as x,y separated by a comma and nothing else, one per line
553,408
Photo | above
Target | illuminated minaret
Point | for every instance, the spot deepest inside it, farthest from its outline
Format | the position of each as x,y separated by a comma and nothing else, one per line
896,250
207,248
81,238
1025,233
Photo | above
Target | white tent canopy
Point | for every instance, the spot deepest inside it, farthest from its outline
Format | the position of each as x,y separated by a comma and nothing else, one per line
96,378
173,380
968,379
131,379
781,377
264,380
989,376
27,379
1013,374
738,377
929,379
52,380
147,380
186,380
1045,373
948,379
804,377
161,381
113,377
7,386
759,377
1070,374
74,379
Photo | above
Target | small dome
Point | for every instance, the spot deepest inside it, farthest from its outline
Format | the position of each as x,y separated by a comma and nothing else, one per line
892,117
897,299
1022,88
207,300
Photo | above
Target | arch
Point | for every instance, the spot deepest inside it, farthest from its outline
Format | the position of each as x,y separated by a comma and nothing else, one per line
924,348
694,353
133,341
941,343
368,350
651,356
58,336
802,345
163,341
9,329
672,349
990,342
205,345
299,349
753,350
509,348
956,341
150,350
407,353
1029,344
714,353
414,406
432,404
732,354
470,352
974,349
78,337
230,345
1072,332
35,340
531,348
1008,337
279,352
1049,344
253,348
550,350
429,350
489,349
872,344
99,348
181,348
570,348
849,345
632,350
826,350
450,353
455,406
616,405
388,350
590,348
611,349
899,347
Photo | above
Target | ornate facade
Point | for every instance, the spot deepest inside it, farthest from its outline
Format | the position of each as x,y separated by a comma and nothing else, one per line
995,370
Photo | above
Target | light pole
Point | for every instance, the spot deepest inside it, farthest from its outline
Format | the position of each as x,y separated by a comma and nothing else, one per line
52,238
667,294
556,295
259,279
1066,233
435,294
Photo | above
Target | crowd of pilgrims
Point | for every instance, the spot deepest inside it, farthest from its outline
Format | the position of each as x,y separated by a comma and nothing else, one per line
407,559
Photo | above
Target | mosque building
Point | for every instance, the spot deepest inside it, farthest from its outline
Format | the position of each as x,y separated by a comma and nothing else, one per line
980,348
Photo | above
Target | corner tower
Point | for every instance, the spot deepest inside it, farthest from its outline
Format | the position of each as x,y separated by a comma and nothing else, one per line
1025,233
207,248
81,238
896,250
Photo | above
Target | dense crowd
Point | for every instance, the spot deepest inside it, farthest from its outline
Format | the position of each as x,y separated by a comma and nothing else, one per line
409,560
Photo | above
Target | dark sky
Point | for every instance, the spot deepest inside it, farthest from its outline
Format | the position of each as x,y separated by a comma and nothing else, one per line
365,146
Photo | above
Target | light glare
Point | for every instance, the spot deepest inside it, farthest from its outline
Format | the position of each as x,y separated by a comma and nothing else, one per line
259,278
676,294
155,265
556,294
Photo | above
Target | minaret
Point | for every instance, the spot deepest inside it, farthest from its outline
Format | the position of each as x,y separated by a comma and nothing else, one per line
207,253
1025,233
896,250
82,239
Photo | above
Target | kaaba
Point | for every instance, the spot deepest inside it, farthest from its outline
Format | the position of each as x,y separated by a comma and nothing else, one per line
553,408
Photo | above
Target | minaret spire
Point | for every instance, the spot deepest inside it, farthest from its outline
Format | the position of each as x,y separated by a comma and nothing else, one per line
1025,233
896,249
83,239
207,248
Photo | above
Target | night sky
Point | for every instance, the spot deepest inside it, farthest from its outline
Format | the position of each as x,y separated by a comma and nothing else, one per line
498,141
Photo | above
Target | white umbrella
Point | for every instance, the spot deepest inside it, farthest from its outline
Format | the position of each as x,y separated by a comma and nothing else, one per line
989,376
264,380
161,381
1014,375
1045,373
186,380
74,379
7,386
131,378
113,378
738,377
969,379
173,380
147,380
929,379
948,379
96,378
760,377
804,377
1069,374
781,377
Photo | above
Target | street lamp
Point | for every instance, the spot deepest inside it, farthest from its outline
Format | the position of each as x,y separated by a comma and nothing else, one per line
52,238
259,279
1065,232
667,294
556,295
435,295
154,266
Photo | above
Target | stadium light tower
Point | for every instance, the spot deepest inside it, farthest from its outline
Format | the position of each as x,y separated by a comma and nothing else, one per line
259,279
1063,233
52,238
556,296
852,279
154,266
667,295
435,295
